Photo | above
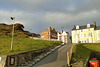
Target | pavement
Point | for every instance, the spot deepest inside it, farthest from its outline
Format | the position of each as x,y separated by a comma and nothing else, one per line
58,58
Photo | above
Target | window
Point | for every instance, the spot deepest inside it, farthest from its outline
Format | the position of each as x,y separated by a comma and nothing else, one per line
12,60
77,27
88,25
76,31
81,30
89,34
76,36
84,35
48,38
48,33
65,36
89,29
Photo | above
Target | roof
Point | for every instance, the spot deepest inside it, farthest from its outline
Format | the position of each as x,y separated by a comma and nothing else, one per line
84,27
98,28
61,33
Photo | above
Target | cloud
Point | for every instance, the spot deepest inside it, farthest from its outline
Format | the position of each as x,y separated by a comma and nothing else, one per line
38,15
67,18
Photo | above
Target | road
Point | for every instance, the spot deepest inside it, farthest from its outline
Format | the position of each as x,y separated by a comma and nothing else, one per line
56,59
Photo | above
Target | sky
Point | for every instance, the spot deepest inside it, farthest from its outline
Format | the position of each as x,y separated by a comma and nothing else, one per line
38,15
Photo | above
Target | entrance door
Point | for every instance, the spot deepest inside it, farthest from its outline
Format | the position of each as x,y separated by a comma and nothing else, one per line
90,40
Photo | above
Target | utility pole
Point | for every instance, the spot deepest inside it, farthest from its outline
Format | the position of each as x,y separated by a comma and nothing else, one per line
12,18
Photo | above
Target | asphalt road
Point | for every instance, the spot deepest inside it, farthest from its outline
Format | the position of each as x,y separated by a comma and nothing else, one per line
56,59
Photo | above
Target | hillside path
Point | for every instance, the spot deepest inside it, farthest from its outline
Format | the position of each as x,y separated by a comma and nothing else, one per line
56,59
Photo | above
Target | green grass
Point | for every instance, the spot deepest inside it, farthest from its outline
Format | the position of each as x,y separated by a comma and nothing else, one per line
23,45
82,51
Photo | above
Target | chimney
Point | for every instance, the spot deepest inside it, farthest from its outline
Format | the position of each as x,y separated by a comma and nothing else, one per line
49,28
61,31
94,23
74,26
53,28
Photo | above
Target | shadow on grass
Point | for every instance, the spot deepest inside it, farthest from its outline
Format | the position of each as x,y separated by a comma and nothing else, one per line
94,54
81,53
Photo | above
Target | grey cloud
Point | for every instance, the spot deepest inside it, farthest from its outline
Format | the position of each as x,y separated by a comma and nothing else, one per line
40,14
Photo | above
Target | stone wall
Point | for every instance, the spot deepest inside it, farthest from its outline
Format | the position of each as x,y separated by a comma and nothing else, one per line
86,63
20,58
69,55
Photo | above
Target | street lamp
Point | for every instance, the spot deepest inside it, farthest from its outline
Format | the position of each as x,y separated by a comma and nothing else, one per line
12,18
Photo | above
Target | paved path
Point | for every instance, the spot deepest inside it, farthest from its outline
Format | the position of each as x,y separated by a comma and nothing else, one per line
56,59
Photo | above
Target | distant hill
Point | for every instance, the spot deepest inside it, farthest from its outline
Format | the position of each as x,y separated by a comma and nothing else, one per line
6,30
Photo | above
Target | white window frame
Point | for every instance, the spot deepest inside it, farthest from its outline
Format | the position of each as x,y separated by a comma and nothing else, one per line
89,34
77,27
76,36
88,25
84,35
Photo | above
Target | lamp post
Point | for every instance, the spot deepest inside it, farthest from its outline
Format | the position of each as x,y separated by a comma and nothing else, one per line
12,18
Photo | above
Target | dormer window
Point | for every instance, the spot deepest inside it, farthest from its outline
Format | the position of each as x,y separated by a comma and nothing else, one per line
88,25
77,27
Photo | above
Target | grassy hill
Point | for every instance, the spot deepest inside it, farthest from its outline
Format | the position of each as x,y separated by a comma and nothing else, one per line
82,51
22,45
6,30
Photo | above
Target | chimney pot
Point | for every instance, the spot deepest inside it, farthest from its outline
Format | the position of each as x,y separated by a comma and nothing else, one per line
94,22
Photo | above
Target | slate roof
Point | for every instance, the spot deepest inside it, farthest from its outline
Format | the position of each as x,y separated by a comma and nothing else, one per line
98,28
84,27
60,32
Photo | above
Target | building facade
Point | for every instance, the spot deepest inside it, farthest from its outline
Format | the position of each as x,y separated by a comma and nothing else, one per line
50,33
86,34
63,36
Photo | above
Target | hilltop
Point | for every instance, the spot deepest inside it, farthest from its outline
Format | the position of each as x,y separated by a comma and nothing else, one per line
6,30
